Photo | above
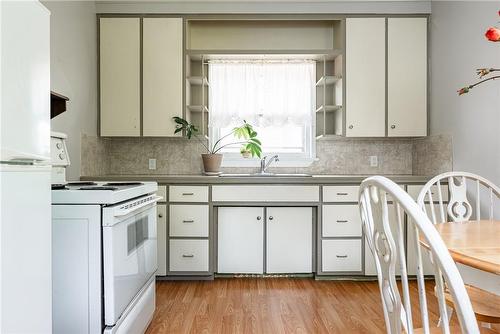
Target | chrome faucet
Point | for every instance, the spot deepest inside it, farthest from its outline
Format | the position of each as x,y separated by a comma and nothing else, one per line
265,164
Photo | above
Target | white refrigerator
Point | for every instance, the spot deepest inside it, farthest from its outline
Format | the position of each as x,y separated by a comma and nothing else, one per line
25,195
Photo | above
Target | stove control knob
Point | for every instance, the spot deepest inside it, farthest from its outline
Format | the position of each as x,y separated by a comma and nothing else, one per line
59,145
62,156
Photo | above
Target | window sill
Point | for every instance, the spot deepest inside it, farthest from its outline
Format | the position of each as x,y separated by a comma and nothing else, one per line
255,162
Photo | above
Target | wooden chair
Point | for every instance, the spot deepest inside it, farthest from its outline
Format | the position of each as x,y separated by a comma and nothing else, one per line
464,189
388,249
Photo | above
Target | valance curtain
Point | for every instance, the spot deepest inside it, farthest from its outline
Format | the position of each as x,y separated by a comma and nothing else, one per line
264,93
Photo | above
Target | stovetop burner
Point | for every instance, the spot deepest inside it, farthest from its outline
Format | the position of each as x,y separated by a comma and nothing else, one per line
81,183
98,188
114,184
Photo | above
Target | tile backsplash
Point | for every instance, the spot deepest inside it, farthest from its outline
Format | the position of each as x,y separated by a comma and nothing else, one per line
338,155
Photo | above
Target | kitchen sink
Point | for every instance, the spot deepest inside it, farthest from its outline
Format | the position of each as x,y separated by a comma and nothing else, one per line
265,175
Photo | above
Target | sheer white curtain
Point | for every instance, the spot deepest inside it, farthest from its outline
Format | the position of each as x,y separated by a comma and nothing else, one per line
264,93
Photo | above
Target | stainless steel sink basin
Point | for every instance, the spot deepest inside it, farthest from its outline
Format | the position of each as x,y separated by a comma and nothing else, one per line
266,175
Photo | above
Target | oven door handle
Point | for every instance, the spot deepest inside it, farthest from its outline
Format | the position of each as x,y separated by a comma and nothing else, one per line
120,211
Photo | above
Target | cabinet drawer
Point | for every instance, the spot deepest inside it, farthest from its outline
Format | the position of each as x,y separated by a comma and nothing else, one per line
340,194
341,255
162,191
265,193
189,255
341,221
414,191
189,220
188,194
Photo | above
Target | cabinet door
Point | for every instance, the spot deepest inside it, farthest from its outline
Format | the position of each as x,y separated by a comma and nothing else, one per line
407,77
119,49
240,240
161,238
162,75
365,77
289,240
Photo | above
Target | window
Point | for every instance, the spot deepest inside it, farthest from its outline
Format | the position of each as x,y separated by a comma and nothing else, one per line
276,96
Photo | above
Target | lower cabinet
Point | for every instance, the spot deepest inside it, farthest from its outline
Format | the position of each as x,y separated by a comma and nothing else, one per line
189,255
161,239
257,240
341,255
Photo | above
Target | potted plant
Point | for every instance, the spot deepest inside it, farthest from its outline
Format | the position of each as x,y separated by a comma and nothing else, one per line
245,135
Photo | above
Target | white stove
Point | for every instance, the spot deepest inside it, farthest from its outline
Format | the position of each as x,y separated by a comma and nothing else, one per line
103,193
103,252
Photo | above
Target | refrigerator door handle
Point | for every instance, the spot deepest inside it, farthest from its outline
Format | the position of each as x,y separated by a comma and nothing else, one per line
12,156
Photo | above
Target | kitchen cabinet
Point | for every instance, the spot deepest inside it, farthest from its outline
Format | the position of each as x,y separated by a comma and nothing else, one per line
365,77
407,77
162,74
119,80
240,240
288,240
120,66
161,231
386,91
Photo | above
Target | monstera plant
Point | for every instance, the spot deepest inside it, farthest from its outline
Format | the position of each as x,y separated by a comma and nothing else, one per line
244,134
485,74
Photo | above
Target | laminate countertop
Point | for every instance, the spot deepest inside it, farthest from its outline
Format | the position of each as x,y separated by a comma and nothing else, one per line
238,179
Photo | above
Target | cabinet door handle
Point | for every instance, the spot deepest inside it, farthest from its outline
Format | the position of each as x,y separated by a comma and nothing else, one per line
341,256
160,215
351,126
342,194
342,221
393,126
187,255
187,194
188,221
271,217
259,217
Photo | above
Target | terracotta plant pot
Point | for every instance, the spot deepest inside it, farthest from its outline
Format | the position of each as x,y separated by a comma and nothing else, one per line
212,162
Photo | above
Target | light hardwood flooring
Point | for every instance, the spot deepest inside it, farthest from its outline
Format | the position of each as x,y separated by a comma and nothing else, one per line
273,305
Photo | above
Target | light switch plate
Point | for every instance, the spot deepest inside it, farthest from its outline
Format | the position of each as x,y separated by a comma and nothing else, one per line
373,161
152,163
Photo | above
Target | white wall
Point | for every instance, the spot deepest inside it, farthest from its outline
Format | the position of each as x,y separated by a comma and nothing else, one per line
74,71
458,48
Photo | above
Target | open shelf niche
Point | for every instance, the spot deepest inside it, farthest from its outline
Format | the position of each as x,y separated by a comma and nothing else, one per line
329,92
197,92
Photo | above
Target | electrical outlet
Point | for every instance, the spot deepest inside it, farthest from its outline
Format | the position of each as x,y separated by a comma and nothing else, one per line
373,161
152,163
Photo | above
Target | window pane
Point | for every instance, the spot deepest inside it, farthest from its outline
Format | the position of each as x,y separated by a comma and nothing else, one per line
282,139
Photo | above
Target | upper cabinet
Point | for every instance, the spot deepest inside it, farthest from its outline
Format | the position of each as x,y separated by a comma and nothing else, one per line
119,66
365,77
131,105
386,91
162,75
407,77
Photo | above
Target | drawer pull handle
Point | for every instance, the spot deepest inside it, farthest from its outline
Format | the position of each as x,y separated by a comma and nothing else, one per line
187,194
188,221
187,255
342,221
341,256
342,194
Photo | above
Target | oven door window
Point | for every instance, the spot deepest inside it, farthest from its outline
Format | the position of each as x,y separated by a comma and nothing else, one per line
137,233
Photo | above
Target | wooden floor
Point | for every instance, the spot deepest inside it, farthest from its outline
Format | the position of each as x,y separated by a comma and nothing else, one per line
272,305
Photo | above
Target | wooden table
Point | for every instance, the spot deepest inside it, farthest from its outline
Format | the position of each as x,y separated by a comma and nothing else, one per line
474,243
475,246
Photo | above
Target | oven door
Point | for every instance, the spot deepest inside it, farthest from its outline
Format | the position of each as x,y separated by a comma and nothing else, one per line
129,249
